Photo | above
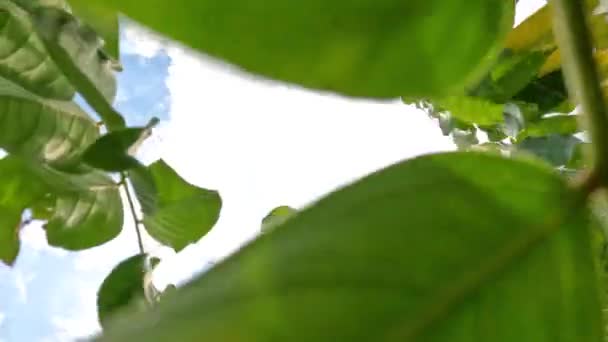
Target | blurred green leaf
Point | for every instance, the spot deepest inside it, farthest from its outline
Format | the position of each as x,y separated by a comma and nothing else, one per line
104,23
123,288
555,149
548,92
26,61
48,131
472,109
556,124
578,158
77,49
495,133
384,260
534,33
31,5
169,292
465,138
184,213
361,48
510,75
10,225
276,217
42,209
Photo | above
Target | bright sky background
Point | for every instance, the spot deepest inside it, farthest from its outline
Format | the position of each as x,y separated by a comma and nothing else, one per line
260,144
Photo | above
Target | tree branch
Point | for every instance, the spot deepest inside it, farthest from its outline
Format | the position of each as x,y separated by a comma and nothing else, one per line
136,221
574,40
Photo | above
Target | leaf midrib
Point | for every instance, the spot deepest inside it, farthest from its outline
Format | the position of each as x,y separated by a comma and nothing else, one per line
455,294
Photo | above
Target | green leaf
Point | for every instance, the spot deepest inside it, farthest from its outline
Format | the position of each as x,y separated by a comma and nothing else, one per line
465,138
23,58
473,110
357,48
31,5
548,92
83,210
114,151
105,24
76,49
449,247
512,73
184,213
535,33
554,149
42,209
578,159
145,188
556,124
18,189
495,133
49,131
277,217
87,215
110,151
10,225
123,288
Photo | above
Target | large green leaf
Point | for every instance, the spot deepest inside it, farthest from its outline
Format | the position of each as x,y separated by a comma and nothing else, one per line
18,190
371,48
122,288
183,212
452,247
23,58
77,49
82,210
87,214
49,131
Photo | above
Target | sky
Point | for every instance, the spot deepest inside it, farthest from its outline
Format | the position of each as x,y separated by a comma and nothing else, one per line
261,144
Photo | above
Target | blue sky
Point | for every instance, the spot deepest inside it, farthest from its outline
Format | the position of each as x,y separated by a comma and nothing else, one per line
259,143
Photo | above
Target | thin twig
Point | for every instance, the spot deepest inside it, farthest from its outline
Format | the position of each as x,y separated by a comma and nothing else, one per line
136,221
574,40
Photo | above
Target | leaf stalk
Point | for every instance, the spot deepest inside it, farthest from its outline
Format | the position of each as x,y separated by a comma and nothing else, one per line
580,70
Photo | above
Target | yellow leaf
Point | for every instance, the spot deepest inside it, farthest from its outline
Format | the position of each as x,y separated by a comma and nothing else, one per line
553,62
535,33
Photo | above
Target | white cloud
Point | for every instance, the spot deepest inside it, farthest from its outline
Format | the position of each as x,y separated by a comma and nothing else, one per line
263,144
139,40
21,281
33,237
69,329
